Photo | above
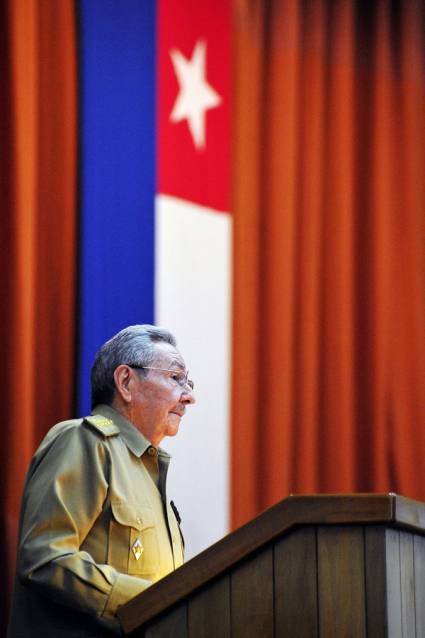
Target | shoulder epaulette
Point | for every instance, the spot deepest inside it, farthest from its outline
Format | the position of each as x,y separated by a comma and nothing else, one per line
102,424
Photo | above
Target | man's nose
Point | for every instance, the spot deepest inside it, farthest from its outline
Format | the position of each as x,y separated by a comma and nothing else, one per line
188,396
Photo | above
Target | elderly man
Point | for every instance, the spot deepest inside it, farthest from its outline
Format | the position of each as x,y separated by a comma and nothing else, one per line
96,525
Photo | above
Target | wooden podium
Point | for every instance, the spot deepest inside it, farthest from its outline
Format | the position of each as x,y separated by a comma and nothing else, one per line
331,566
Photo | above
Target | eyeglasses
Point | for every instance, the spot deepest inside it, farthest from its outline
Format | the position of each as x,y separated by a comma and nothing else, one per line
182,378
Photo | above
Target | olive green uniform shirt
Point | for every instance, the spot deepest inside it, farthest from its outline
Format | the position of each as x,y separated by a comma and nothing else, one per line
96,528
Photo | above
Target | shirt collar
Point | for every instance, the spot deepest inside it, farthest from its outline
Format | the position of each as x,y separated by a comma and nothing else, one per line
134,440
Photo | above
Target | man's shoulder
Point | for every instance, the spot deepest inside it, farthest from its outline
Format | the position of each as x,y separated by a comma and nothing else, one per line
101,424
75,436
97,425
69,427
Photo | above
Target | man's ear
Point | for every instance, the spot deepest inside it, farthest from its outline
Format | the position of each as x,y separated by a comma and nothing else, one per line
122,378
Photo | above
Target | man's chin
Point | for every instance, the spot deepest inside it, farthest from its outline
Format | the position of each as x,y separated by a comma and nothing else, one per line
173,424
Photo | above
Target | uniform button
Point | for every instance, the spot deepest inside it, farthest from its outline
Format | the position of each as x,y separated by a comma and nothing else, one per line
139,520
152,451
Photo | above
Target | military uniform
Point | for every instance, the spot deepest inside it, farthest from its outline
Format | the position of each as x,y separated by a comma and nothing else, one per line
96,528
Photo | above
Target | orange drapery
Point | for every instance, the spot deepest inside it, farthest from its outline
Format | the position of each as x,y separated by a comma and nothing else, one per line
329,245
38,223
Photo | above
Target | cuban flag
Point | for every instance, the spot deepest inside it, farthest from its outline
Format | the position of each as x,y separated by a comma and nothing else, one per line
155,224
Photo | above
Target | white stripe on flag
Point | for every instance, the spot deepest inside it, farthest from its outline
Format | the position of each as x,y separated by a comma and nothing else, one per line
192,299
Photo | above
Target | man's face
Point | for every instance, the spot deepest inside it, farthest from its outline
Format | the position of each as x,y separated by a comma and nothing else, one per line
158,402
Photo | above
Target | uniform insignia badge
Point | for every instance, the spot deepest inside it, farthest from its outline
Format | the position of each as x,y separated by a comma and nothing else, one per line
106,426
137,549
102,422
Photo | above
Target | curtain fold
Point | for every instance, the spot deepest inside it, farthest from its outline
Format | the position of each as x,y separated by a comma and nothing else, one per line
329,245
38,222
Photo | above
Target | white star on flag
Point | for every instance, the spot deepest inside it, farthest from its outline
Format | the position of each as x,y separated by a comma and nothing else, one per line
195,96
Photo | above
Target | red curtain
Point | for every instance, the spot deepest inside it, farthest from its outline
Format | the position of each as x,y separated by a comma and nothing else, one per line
329,245
38,226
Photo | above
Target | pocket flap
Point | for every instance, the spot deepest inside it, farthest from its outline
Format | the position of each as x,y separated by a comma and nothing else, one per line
132,515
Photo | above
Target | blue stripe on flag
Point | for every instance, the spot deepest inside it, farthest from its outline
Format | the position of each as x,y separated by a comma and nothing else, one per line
117,173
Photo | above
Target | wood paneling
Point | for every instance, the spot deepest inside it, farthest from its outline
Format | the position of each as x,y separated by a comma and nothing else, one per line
341,582
252,597
419,560
209,611
376,581
295,584
407,583
172,624
393,583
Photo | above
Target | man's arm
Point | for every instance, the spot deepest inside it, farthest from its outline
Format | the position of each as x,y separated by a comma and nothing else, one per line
64,494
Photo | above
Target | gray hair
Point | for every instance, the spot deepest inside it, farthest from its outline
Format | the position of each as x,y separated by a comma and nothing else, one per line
133,345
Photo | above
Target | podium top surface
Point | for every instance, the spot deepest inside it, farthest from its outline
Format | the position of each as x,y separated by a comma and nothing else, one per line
326,509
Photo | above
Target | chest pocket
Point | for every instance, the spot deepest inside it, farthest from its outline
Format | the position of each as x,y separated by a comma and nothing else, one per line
133,543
